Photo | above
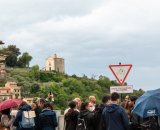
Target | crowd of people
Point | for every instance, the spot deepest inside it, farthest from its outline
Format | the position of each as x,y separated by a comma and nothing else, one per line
111,114
40,116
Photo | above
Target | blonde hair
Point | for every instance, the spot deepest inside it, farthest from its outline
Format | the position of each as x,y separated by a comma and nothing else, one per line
33,106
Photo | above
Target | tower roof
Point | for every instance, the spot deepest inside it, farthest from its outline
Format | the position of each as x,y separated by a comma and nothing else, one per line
54,57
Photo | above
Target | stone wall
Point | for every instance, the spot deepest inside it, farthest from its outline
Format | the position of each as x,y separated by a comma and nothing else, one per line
61,122
60,119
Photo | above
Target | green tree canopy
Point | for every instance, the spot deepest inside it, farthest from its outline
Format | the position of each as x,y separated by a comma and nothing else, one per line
13,52
35,88
34,72
24,60
12,59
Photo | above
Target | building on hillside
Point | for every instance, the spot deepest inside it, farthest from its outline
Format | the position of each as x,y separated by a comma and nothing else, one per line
54,63
10,91
2,64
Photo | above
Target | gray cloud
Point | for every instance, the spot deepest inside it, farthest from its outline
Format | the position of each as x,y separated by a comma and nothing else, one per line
90,35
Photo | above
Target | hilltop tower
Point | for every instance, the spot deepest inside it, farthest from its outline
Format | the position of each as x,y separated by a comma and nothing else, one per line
55,63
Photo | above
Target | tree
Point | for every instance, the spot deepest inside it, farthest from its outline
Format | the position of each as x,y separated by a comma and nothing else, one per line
35,88
34,72
24,60
13,52
11,60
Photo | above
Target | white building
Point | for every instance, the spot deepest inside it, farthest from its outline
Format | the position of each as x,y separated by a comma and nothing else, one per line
55,63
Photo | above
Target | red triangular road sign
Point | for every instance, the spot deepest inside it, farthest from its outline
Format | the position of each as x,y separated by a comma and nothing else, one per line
120,72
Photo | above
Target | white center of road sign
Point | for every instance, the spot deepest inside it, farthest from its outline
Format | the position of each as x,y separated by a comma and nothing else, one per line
120,72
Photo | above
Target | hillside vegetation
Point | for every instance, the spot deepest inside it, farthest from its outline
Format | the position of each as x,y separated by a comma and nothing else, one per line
37,83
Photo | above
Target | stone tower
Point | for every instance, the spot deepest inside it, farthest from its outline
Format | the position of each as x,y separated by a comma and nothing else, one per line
55,63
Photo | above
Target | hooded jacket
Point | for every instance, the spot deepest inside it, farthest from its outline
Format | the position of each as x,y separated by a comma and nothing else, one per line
48,120
115,118
88,118
18,118
98,117
71,120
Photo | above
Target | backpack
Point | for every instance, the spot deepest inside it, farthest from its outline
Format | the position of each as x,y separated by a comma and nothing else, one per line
27,119
81,124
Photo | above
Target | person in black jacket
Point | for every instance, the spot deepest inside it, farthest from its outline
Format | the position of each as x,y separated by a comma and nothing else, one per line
39,107
98,113
47,118
87,114
71,117
114,115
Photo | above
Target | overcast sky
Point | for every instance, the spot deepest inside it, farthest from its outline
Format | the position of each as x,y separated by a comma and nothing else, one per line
89,34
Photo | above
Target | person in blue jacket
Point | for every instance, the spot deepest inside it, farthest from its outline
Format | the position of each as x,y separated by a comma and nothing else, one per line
47,118
114,116
23,107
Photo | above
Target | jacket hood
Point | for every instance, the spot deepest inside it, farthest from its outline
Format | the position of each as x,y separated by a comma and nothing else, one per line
47,112
112,108
71,115
25,107
84,113
99,108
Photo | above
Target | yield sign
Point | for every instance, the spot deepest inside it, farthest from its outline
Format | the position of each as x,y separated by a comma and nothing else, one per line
120,72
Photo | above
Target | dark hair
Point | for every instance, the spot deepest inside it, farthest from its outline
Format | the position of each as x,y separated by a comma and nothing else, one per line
133,98
105,99
83,106
48,105
43,101
6,112
114,96
22,104
72,104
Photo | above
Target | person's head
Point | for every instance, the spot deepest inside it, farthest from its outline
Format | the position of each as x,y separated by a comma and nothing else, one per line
48,105
33,106
72,104
92,99
22,104
41,103
126,99
105,99
91,107
115,97
84,106
132,101
79,102
6,111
